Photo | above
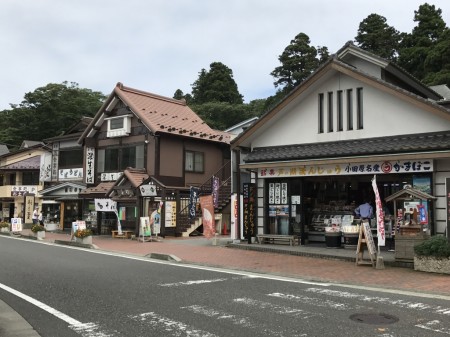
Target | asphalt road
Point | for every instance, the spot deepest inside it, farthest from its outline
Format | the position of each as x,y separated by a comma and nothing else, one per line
66,291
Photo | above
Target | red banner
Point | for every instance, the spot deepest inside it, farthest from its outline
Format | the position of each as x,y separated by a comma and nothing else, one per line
380,214
209,223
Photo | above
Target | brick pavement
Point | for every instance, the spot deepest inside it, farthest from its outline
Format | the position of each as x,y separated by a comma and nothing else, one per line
201,251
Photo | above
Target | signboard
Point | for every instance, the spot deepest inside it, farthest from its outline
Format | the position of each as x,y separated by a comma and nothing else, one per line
29,208
105,205
171,214
148,190
385,167
144,228
16,224
249,211
447,197
75,173
45,170
234,217
90,165
369,238
21,190
110,176
365,239
78,225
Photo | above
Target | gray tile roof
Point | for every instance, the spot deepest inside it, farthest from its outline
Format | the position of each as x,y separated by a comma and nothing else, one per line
413,143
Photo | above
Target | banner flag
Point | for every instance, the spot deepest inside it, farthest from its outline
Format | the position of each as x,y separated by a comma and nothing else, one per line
215,190
209,223
380,214
193,199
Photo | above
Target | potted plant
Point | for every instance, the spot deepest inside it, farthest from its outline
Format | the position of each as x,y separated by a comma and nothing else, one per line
83,236
38,230
4,226
433,255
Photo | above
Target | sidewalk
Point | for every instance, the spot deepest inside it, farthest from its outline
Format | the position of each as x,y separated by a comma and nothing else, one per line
305,262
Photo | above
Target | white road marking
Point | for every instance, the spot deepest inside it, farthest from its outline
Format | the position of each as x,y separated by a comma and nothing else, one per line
85,329
242,321
194,282
313,301
279,309
435,326
175,328
382,300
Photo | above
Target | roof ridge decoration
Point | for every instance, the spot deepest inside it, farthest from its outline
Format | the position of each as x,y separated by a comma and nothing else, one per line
122,87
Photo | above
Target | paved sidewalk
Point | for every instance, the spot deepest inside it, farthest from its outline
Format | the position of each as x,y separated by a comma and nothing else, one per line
322,264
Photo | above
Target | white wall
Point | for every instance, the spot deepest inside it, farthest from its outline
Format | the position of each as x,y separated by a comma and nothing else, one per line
383,115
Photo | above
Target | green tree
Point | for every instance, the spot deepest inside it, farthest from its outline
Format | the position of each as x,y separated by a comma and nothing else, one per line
298,61
376,36
216,85
47,112
420,51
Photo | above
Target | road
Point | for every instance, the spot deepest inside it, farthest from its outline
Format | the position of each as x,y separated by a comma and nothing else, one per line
67,291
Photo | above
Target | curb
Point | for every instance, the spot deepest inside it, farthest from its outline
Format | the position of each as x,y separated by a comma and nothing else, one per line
165,257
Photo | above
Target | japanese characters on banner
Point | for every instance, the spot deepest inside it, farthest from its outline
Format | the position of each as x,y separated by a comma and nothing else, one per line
386,167
16,224
170,213
379,213
75,173
249,208
90,165
209,223
20,190
110,176
29,208
148,190
447,194
215,190
193,199
45,170
234,217
105,205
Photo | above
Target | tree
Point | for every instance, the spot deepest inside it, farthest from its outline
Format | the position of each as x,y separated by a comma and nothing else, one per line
217,85
298,61
421,51
376,36
47,112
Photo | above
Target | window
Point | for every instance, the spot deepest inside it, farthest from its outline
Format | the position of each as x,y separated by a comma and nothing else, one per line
349,109
359,108
118,126
194,162
70,158
330,112
320,103
30,178
340,117
118,159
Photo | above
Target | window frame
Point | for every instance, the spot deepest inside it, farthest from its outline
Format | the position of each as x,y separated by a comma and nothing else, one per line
195,162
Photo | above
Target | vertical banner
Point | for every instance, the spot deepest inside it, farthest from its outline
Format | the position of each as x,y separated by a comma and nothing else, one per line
90,165
193,199
215,190
249,198
209,225
234,219
144,228
447,199
380,214
45,171
29,208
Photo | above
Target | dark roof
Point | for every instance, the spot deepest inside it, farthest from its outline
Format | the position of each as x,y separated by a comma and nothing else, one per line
32,163
413,143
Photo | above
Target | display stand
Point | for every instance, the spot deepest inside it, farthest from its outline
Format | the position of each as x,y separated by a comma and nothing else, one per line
365,241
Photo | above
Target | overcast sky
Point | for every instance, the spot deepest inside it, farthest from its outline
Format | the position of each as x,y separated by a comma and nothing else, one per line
161,45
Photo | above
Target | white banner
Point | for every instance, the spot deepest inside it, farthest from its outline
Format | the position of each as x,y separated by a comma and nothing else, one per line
380,214
105,205
45,171
90,165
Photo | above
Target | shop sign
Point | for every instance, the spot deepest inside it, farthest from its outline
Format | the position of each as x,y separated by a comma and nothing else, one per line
16,224
105,205
249,203
171,214
20,190
382,167
90,165
148,190
45,171
110,176
447,194
76,173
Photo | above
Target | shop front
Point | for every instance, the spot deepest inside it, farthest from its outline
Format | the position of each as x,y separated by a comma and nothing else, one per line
321,199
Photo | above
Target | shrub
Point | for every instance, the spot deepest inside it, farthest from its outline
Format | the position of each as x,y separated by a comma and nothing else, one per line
37,228
436,246
4,225
82,233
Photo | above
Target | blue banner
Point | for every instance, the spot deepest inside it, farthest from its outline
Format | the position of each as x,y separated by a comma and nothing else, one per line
193,199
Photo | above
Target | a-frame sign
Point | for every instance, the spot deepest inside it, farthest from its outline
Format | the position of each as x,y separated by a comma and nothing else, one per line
365,241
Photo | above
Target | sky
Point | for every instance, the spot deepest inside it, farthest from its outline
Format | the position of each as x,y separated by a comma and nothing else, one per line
160,46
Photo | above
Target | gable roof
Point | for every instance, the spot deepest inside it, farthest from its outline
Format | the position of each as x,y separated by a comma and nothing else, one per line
32,163
61,186
426,99
410,193
161,115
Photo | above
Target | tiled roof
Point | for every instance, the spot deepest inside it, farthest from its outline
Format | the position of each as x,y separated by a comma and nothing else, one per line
413,143
166,115
98,190
136,176
32,163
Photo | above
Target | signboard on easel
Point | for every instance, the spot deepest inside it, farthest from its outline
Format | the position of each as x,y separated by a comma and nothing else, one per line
365,240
